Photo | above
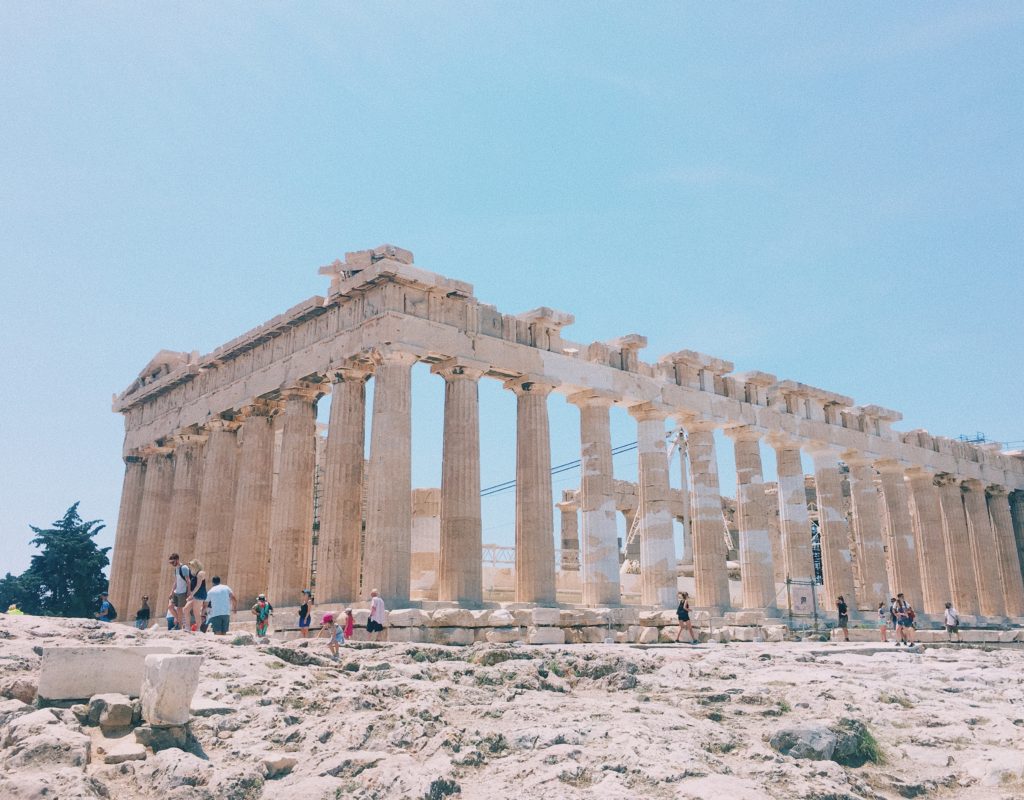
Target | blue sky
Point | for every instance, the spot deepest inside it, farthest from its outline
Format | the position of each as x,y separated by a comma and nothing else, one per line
831,195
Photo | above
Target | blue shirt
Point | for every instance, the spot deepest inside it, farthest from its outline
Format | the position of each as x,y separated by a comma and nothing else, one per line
104,611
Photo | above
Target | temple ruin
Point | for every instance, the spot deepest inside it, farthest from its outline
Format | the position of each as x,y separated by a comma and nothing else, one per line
221,451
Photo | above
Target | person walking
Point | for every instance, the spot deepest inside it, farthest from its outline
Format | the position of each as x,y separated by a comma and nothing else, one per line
904,621
883,621
262,609
844,617
334,633
106,612
378,615
195,600
179,590
350,624
222,604
952,621
305,613
683,615
143,614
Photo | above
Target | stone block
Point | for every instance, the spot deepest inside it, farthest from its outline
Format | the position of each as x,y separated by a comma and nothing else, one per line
568,617
452,636
78,673
110,711
744,617
501,618
523,616
19,689
775,633
504,635
593,616
742,633
648,634
633,633
117,751
361,615
168,685
627,615
658,617
481,617
403,634
544,617
406,618
667,634
545,635
162,737
451,618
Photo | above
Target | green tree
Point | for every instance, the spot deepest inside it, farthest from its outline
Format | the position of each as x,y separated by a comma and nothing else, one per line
66,578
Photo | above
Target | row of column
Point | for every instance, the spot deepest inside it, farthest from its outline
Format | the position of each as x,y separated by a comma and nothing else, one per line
212,495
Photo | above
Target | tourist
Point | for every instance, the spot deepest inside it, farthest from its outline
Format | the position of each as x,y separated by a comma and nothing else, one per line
262,609
683,615
180,590
350,624
952,621
378,614
305,613
222,603
883,621
14,611
142,615
195,601
335,635
106,612
172,616
892,613
904,621
844,617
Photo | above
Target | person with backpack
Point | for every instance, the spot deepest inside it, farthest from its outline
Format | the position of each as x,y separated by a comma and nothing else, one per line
904,621
195,602
844,617
106,612
306,613
952,621
142,615
262,609
179,591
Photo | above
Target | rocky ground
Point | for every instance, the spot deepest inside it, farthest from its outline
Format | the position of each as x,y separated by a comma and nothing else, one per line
745,720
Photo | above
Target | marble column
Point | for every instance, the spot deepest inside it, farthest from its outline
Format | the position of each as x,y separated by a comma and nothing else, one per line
985,549
1006,551
794,522
657,548
339,556
426,543
833,529
291,512
249,563
570,531
1017,513
963,584
755,550
930,541
460,576
183,521
710,573
216,522
686,558
125,539
388,543
902,547
150,573
535,543
868,534
599,550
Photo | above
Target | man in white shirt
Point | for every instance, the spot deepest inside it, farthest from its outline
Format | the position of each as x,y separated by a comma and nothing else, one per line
378,615
952,620
222,604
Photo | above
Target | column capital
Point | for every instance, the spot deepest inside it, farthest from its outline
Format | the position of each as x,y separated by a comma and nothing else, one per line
261,407
890,465
454,369
692,422
972,485
185,436
997,490
153,451
818,450
592,398
782,441
650,411
389,354
855,458
531,384
568,505
221,424
917,471
304,390
743,433
945,479
350,370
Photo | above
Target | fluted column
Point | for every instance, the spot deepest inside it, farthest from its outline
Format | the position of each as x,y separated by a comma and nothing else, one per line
125,539
867,534
1006,552
794,522
570,531
599,551
657,549
985,548
833,527
1017,513
755,550
338,559
535,544
249,563
183,520
388,545
710,573
902,547
686,557
150,574
931,545
216,521
461,559
959,555
291,513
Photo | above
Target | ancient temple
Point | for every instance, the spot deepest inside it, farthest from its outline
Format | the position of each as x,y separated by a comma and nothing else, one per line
221,451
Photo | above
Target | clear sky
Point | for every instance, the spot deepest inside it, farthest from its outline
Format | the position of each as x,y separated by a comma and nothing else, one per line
829,193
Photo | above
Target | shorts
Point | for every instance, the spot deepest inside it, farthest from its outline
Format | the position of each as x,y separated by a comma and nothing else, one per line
200,595
220,623
304,621
372,626
339,637
952,629
844,621
179,600
684,617
883,623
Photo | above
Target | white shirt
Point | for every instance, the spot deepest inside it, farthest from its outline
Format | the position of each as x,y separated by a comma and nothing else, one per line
181,583
952,616
377,610
219,598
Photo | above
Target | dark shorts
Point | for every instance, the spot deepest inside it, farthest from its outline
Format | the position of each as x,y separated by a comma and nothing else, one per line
372,626
952,629
844,620
179,600
220,623
683,616
200,595
304,621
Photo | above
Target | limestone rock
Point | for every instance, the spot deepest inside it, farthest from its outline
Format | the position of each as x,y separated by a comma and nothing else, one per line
169,769
407,618
9,709
110,711
50,747
648,635
276,765
19,689
162,737
504,635
451,618
501,619
117,751
75,673
545,616
546,636
812,741
169,683
205,707
61,784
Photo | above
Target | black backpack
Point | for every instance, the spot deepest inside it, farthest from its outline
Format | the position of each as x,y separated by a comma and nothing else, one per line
111,611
